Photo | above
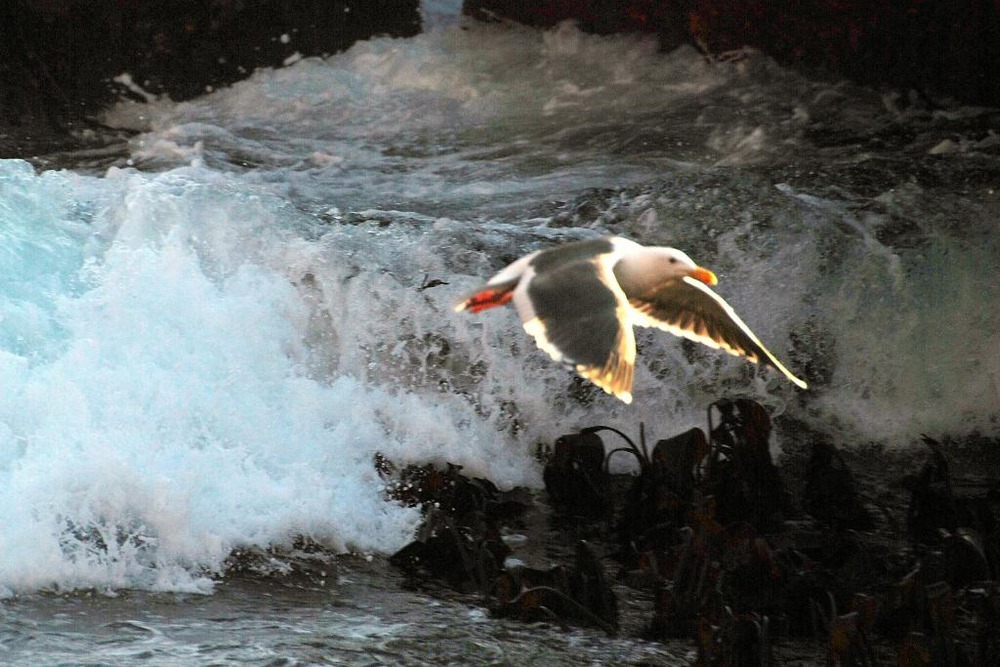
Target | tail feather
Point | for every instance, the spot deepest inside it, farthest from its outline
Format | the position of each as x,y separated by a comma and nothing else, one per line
490,296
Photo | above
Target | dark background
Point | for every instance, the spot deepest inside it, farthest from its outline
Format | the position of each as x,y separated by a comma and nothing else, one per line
58,58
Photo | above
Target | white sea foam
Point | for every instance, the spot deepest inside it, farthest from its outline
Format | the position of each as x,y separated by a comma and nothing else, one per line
159,404
209,356
452,121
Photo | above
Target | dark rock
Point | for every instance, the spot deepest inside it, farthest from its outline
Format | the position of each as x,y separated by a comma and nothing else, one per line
450,491
466,554
60,56
805,590
588,585
988,635
459,540
597,16
728,639
948,48
941,607
962,558
932,500
962,519
847,644
579,594
306,564
740,472
575,475
658,502
915,651
831,494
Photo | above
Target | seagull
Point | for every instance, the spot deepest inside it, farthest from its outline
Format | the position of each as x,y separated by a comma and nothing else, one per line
580,300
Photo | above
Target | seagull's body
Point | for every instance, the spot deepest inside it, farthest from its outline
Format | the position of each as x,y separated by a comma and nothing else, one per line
580,301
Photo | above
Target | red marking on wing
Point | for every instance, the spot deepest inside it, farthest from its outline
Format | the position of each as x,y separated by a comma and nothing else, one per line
488,298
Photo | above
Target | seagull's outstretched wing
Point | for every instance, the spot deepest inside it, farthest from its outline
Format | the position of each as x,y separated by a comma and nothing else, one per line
689,308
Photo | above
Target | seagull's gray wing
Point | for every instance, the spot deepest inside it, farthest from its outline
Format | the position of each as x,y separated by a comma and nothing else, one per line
577,313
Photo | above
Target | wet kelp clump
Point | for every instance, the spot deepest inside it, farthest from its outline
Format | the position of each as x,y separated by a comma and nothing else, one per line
829,557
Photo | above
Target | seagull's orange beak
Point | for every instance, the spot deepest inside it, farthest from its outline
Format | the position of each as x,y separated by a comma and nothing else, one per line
704,275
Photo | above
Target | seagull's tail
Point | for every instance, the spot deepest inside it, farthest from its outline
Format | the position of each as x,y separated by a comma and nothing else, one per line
489,296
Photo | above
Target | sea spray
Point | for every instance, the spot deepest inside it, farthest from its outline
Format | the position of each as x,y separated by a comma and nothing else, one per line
173,418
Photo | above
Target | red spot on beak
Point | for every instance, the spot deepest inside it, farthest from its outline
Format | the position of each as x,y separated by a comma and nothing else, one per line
704,275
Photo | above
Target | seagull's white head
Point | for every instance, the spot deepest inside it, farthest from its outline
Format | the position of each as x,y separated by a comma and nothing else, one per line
670,262
643,268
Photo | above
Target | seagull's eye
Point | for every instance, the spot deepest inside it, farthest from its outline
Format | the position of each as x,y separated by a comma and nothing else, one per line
673,260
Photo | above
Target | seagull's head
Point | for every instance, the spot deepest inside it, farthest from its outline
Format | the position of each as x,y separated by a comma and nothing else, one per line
673,262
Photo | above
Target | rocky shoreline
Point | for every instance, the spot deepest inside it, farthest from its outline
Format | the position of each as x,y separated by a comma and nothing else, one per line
856,557
863,556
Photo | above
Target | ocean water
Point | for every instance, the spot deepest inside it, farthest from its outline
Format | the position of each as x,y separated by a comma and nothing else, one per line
206,337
